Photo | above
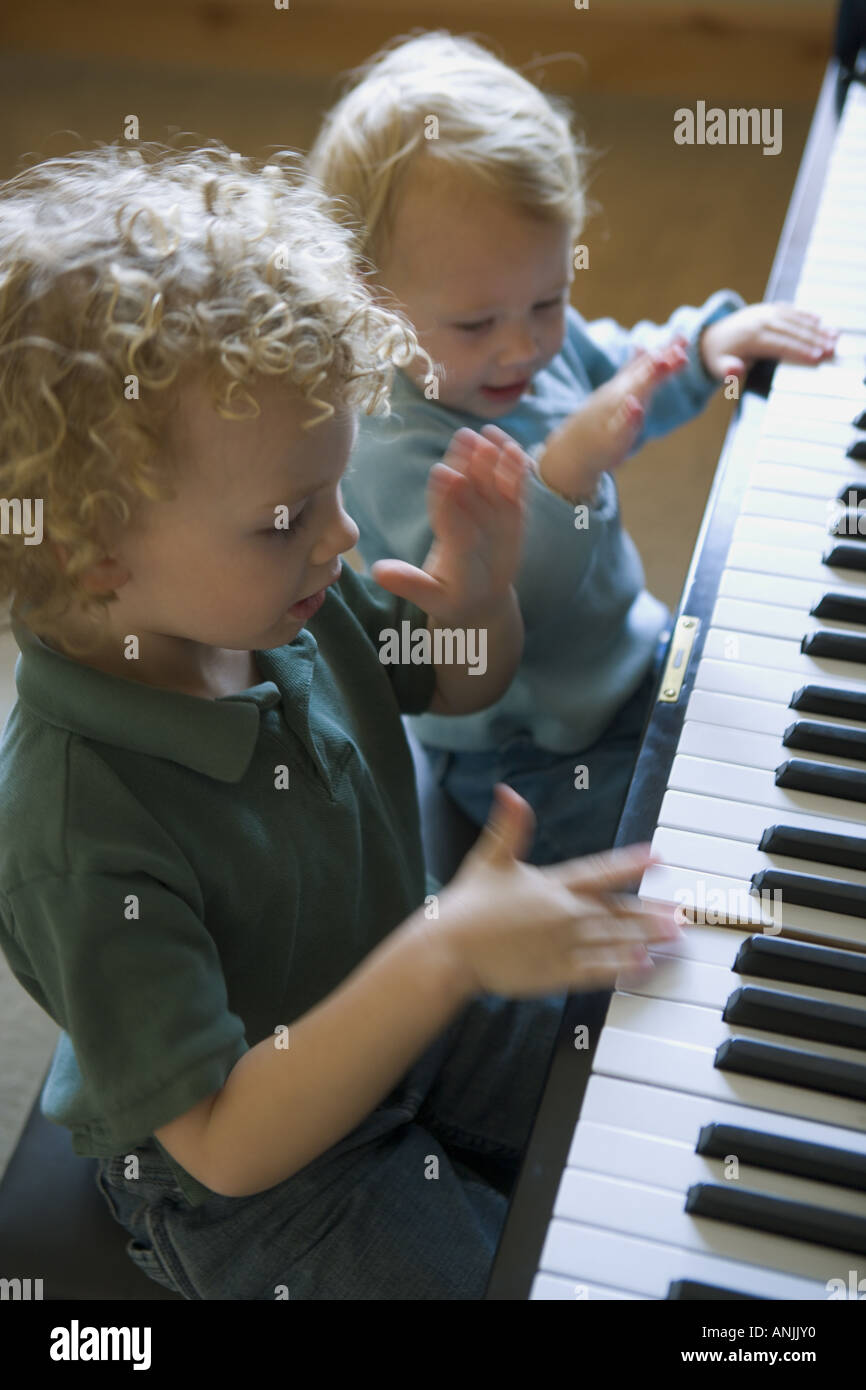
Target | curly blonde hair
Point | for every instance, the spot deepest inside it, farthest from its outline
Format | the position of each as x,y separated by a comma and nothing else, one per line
490,122
125,268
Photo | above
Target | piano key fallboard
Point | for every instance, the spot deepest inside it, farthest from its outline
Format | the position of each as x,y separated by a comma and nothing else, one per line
711,1142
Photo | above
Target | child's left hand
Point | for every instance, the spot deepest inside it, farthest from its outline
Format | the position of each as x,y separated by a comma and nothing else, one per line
475,504
731,345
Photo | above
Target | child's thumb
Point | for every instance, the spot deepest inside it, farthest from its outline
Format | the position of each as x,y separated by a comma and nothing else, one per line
509,829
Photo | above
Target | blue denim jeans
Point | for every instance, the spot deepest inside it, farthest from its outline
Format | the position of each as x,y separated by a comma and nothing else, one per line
374,1217
570,821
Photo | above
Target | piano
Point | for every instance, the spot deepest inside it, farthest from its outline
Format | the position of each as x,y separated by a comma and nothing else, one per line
702,1132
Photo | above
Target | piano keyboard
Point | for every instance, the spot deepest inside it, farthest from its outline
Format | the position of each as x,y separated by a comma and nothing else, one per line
721,1146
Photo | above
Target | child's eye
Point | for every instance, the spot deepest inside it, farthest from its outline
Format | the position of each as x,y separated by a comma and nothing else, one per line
473,327
485,323
286,533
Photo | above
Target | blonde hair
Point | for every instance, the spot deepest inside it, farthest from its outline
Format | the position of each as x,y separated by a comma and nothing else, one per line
490,122
123,269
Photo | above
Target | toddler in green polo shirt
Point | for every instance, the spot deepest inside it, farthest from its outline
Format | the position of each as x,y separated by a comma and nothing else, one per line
211,874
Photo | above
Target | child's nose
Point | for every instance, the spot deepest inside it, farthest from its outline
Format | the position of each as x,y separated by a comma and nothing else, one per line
519,345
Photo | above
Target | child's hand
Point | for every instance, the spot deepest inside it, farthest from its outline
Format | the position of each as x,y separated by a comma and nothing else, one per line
475,504
602,433
731,345
516,930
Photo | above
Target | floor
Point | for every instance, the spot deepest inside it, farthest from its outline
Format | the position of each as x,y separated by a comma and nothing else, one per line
677,223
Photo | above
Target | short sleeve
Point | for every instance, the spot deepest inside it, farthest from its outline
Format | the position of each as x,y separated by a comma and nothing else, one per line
377,610
131,973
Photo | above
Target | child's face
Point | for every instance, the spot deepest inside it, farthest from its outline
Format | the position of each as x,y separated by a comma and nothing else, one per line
484,286
210,567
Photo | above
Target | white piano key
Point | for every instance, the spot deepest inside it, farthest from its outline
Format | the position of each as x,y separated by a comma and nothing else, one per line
720,898
640,1158
783,590
849,345
761,683
787,562
775,621
797,441
586,1253
817,483
651,1213
678,1067
685,981
735,859
707,777
792,506
800,535
711,945
719,744
611,1100
839,309
703,1030
819,274
784,410
827,379
735,820
728,644
755,716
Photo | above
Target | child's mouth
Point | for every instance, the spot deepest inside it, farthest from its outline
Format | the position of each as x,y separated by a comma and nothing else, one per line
506,393
308,606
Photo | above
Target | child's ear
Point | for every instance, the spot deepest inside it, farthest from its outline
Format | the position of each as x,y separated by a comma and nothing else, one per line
105,577
102,578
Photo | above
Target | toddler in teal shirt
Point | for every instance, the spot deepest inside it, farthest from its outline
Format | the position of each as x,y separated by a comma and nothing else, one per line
471,228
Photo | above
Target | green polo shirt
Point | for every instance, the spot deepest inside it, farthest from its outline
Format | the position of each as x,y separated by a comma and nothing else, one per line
181,877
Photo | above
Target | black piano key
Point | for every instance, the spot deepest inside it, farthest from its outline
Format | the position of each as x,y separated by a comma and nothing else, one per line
845,555
820,846
851,522
693,1289
841,646
826,699
799,1157
841,608
835,740
802,963
823,779
808,890
852,494
841,1230
796,1015
772,1062
857,450
860,422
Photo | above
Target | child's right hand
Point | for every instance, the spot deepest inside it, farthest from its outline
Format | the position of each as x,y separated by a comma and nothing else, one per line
520,931
602,433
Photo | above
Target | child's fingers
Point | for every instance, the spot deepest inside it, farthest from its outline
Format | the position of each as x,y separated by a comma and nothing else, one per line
788,348
450,505
597,968
481,456
627,419
592,927
603,873
647,374
803,319
460,448
512,465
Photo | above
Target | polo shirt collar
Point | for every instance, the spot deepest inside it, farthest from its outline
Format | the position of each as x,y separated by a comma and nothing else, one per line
216,737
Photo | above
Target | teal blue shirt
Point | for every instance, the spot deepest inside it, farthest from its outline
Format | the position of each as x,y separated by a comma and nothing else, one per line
164,896
591,626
